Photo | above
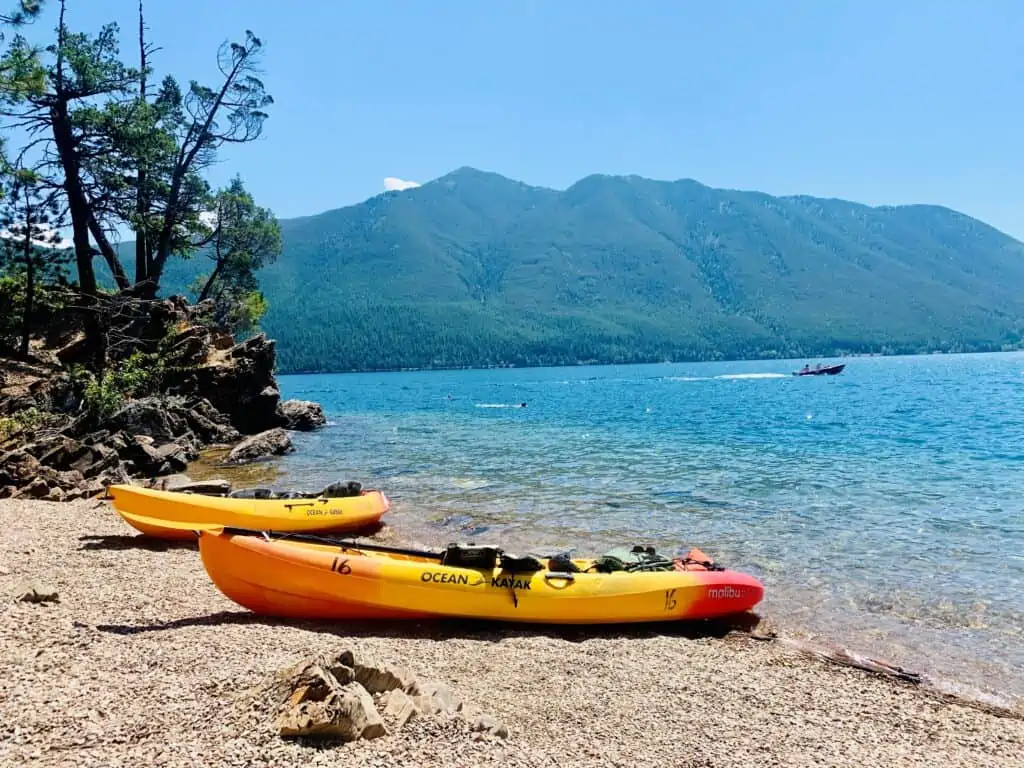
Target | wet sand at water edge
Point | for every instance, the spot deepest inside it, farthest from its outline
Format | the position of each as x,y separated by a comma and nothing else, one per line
143,662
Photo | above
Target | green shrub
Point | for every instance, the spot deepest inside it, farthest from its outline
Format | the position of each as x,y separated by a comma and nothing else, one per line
140,375
26,421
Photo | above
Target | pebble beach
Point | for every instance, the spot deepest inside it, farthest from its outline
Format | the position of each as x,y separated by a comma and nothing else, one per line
141,661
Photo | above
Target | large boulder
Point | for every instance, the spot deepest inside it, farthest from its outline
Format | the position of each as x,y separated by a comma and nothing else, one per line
301,415
66,453
321,708
36,489
22,474
145,416
15,404
190,345
17,468
240,382
149,460
70,479
337,696
207,423
69,454
116,475
273,442
76,350
150,322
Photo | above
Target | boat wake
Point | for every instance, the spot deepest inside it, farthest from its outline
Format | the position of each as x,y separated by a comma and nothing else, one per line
728,377
753,376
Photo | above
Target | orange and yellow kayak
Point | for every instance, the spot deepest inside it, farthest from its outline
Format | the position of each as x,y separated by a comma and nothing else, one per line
288,578
171,515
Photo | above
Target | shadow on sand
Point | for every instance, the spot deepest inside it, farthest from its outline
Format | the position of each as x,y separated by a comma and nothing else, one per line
443,629
140,541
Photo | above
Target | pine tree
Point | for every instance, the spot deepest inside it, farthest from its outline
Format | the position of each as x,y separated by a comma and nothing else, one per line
30,220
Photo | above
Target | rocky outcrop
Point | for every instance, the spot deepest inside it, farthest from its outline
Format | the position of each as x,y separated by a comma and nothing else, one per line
344,697
18,468
215,391
240,383
301,415
273,442
209,425
148,437
148,459
146,416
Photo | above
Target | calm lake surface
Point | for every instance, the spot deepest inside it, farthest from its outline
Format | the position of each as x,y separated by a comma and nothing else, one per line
883,508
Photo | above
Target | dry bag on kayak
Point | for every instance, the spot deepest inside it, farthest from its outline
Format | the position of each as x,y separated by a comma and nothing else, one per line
632,559
470,556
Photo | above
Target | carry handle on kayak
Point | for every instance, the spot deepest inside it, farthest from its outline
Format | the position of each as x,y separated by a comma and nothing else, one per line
318,500
562,575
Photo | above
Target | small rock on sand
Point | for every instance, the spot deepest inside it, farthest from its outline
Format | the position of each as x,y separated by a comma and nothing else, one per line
38,593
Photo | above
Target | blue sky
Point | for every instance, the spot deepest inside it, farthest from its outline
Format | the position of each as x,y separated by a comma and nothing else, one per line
879,102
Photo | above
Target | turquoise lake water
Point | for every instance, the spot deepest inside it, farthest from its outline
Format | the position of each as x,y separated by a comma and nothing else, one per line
883,508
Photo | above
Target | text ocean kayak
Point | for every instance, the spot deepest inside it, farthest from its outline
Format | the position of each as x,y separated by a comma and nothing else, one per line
324,581
170,515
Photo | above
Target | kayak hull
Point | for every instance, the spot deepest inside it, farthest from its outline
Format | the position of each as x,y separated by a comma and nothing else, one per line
319,581
170,515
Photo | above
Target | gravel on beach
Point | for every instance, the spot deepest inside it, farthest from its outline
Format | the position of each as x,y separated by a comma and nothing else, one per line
141,661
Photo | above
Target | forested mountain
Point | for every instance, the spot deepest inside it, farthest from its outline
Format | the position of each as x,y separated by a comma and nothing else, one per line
474,269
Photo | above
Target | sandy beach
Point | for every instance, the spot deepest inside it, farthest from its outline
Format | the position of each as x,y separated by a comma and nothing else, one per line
143,662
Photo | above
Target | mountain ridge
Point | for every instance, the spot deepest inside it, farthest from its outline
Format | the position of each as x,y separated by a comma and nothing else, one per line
475,269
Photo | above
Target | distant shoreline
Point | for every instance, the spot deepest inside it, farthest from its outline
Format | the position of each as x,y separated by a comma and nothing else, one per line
601,364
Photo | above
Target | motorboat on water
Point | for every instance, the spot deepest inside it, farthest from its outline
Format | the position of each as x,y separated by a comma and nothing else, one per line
820,370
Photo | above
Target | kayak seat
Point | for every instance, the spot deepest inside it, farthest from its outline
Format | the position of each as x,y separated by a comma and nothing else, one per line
524,564
562,563
252,493
471,556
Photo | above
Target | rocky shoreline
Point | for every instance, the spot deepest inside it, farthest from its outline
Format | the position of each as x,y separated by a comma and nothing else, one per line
217,393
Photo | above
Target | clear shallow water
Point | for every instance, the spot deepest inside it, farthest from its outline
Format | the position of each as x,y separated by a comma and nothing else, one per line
883,508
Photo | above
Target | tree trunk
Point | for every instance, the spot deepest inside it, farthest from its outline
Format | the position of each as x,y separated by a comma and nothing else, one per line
141,262
65,143
109,254
142,259
163,245
78,207
209,283
30,287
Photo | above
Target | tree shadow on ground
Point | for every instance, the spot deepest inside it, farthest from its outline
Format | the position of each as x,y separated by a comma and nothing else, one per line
467,629
122,542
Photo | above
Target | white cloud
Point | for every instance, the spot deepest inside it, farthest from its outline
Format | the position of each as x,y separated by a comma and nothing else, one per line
63,244
393,184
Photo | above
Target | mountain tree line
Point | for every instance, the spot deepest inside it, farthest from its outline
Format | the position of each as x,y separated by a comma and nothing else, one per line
106,147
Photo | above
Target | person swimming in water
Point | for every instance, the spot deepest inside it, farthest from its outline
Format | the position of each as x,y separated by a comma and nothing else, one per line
522,405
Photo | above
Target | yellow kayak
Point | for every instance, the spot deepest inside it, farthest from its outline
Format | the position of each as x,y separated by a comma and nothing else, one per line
282,577
170,515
